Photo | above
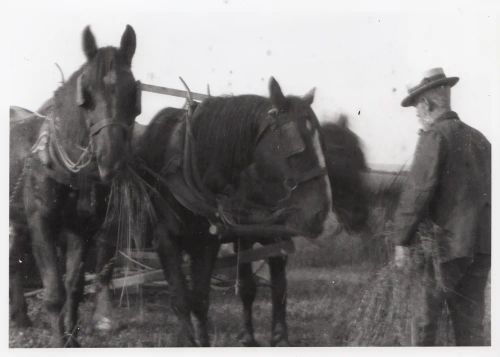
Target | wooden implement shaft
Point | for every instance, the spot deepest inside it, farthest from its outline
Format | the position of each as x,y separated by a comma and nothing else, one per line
171,91
137,279
150,258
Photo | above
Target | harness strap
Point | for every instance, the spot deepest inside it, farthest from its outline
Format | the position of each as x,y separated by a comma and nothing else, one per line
180,175
73,166
223,228
310,175
101,124
65,161
182,193
54,158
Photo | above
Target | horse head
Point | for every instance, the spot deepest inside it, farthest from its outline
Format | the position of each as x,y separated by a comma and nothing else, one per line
289,162
346,164
109,99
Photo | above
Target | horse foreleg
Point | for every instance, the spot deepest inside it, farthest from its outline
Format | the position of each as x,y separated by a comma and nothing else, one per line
201,274
45,253
247,291
18,307
74,283
104,269
279,328
170,256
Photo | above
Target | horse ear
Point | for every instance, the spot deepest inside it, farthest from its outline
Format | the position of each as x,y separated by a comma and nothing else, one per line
89,43
343,121
128,44
276,95
309,96
80,98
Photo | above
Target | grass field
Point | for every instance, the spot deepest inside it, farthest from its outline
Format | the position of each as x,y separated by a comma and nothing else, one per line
323,298
326,282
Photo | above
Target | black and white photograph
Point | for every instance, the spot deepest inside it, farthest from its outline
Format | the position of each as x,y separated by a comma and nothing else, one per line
230,173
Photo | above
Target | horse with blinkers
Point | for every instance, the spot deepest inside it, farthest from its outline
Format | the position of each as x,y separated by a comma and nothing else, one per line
234,169
61,163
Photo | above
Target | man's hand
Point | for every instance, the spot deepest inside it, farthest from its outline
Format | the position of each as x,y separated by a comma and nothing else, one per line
401,254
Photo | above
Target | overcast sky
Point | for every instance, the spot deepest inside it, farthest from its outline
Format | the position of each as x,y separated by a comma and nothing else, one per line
359,57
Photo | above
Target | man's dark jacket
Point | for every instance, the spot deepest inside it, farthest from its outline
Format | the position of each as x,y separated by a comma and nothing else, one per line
449,183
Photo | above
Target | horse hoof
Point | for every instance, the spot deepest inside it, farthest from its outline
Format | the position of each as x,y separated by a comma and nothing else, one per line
103,324
204,343
67,341
250,343
280,342
183,341
70,342
22,321
247,340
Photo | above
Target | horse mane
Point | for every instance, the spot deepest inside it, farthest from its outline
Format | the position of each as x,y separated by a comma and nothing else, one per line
343,149
151,145
345,162
225,130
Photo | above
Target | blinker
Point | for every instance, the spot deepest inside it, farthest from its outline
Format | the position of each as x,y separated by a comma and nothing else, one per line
288,140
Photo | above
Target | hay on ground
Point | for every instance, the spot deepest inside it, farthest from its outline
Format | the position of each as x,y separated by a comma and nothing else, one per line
384,316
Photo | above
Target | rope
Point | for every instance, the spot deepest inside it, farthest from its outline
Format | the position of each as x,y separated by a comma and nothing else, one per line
83,160
69,164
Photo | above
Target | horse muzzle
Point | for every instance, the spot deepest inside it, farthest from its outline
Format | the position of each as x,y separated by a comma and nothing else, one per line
312,225
108,172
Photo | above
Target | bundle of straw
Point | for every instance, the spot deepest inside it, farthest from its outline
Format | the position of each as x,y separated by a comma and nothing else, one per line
385,313
129,217
131,212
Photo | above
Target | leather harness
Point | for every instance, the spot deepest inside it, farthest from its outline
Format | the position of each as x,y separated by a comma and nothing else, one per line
181,177
54,156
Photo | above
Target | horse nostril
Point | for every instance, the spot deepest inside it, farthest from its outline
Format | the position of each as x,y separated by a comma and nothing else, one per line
320,216
106,175
316,222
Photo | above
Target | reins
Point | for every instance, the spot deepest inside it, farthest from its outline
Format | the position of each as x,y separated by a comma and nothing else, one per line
86,155
73,166
83,160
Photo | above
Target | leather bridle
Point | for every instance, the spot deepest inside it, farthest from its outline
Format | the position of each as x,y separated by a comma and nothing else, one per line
292,180
101,124
87,153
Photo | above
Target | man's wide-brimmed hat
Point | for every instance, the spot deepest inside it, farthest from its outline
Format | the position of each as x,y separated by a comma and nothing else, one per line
434,77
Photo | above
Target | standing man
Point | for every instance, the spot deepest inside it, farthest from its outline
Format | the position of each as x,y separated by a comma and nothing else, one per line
450,184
